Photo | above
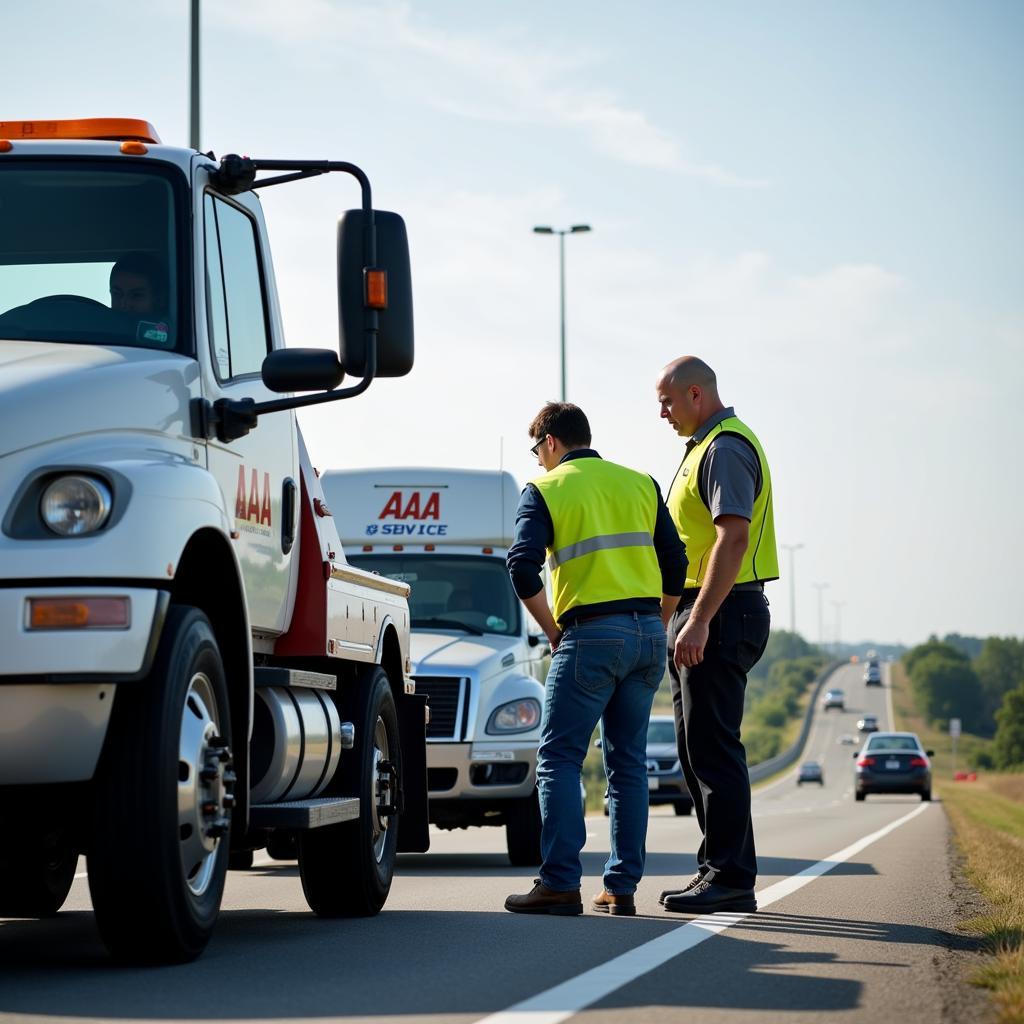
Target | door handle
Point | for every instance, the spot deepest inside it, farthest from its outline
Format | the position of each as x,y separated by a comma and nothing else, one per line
288,517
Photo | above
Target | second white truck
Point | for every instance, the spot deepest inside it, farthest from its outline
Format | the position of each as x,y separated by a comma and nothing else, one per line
475,653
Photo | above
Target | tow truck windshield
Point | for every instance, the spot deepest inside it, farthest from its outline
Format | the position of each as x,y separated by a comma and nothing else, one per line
464,592
89,254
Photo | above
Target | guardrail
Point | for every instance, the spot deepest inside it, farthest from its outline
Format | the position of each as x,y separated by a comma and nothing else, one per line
775,764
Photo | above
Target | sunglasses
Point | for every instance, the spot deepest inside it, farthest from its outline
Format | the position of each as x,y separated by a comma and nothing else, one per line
533,450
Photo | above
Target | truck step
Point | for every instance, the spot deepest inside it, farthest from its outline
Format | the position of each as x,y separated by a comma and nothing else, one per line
275,675
303,814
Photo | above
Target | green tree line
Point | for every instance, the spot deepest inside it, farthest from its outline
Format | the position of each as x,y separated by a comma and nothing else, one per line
985,690
774,687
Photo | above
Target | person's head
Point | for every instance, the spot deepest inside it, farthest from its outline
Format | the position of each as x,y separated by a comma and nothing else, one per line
137,284
558,428
688,394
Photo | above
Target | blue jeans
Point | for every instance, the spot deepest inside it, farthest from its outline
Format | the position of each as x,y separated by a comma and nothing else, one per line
608,670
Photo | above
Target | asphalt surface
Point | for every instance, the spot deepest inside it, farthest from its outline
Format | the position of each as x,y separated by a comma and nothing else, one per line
857,922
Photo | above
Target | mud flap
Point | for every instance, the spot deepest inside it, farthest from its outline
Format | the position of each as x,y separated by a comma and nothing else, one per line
413,835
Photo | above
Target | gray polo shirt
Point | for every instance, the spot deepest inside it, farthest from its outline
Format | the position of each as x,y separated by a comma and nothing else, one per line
731,472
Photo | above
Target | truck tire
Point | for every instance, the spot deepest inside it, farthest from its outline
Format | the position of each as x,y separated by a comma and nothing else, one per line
282,845
159,849
37,877
346,869
522,832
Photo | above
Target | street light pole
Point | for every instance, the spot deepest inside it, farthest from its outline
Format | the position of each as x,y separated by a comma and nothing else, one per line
576,229
792,549
820,587
193,99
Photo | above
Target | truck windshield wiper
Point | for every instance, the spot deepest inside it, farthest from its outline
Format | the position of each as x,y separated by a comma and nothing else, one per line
447,624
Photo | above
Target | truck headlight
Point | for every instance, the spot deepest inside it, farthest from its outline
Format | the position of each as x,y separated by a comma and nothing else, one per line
516,716
74,506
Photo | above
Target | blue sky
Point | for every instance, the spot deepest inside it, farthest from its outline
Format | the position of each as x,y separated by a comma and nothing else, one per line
821,199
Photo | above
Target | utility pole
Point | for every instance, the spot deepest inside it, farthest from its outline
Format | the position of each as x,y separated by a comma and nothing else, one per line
193,99
792,548
820,587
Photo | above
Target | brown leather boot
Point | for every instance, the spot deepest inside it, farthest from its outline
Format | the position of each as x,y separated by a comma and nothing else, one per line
608,903
543,900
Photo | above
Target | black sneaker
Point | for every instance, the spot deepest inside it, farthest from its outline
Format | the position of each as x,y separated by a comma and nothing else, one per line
710,898
665,893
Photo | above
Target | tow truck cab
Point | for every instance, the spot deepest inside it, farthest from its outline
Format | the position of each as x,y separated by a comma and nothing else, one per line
188,663
476,653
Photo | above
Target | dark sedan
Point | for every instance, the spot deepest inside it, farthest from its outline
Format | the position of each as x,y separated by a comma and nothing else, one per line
810,771
893,762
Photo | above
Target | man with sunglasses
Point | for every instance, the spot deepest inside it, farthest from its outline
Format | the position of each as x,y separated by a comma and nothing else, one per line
616,564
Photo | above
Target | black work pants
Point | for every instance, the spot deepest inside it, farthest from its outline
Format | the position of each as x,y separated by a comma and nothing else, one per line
707,701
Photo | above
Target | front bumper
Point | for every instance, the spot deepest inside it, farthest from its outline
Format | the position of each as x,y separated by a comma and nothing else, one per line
86,655
462,771
57,685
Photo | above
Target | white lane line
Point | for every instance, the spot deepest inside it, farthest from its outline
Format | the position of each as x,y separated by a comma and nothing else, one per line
563,1001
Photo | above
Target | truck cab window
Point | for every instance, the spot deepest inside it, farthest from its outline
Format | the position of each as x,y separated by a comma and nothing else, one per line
237,311
89,255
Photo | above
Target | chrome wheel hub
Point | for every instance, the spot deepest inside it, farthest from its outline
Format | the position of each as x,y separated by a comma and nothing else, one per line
205,784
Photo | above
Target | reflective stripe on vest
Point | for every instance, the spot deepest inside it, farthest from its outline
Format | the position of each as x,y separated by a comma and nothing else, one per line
693,519
603,517
612,540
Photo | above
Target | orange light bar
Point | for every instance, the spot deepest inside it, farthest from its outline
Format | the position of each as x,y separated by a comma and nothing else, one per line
376,284
79,612
102,128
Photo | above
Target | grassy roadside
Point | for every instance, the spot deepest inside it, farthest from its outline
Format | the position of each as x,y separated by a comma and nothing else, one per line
988,823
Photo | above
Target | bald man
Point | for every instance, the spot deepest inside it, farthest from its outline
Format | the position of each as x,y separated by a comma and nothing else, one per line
721,503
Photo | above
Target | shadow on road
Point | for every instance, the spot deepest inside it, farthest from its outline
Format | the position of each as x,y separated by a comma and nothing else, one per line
660,866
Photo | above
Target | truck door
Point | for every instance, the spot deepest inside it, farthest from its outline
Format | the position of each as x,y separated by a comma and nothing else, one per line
257,473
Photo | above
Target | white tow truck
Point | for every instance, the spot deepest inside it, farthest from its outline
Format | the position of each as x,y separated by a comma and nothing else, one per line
475,652
189,665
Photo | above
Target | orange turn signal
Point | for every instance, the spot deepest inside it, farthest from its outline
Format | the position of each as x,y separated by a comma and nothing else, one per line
5,146
134,148
79,612
376,285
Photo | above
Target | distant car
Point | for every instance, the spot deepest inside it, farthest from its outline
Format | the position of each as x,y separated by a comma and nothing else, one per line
872,674
810,771
893,762
665,782
869,723
833,699
846,740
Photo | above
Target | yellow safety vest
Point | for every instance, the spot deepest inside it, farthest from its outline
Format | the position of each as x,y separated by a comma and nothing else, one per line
603,547
693,518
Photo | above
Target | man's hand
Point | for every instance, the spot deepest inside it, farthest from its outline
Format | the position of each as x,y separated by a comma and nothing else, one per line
555,641
690,644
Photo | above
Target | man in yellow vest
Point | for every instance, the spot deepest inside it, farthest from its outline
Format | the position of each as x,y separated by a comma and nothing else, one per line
617,566
721,504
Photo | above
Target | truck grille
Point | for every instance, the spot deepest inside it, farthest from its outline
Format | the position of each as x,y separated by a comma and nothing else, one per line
446,698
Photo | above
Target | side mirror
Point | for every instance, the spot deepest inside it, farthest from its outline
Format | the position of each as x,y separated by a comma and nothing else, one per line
535,639
929,753
395,333
302,369
856,754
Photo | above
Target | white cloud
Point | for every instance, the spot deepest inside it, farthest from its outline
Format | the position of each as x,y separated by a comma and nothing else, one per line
501,76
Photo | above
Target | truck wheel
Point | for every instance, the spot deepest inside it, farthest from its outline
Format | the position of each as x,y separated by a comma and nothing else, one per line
522,832
36,880
282,845
347,869
159,849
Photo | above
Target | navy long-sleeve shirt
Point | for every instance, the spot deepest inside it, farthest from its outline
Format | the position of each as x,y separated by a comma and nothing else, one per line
535,533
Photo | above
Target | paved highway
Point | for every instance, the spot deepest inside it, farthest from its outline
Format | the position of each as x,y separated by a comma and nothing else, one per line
857,923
